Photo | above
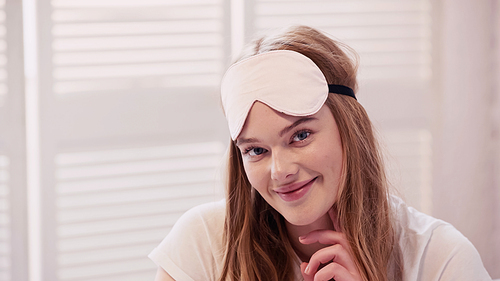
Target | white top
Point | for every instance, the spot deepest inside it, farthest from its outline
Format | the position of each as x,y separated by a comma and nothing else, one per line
432,249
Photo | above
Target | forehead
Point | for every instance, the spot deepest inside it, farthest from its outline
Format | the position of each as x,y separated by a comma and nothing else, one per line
262,113
263,120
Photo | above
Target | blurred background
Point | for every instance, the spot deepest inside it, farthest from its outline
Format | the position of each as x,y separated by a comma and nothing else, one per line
110,125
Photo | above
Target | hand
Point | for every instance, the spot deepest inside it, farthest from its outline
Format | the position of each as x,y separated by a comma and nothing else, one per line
337,260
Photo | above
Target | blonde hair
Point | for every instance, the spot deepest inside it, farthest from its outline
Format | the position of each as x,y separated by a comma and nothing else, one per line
257,245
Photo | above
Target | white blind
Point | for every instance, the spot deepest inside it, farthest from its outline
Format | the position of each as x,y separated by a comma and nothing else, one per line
13,219
124,45
409,165
115,206
131,132
392,37
3,55
5,215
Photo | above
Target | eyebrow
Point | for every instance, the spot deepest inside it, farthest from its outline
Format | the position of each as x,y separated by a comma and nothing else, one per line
243,141
281,133
295,124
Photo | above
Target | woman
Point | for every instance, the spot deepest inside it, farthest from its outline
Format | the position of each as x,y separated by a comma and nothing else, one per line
307,197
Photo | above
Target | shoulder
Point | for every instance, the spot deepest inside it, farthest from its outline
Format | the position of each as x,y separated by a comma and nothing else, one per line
433,249
451,256
208,216
193,249
410,221
201,224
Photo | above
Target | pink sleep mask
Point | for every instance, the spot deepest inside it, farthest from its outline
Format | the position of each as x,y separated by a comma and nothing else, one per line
286,81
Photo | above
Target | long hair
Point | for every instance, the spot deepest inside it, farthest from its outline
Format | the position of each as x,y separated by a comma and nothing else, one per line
257,245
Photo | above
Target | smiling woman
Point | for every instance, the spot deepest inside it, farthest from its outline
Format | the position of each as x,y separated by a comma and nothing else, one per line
307,197
294,163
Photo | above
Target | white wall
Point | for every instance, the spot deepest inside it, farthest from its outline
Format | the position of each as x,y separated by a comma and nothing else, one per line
465,185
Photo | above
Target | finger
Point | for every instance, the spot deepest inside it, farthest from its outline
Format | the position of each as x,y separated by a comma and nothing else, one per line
329,237
337,272
333,213
333,254
326,237
307,277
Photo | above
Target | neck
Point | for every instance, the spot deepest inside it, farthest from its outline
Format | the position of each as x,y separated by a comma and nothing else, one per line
304,252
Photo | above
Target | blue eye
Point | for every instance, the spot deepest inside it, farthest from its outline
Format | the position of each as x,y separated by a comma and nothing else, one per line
300,136
254,151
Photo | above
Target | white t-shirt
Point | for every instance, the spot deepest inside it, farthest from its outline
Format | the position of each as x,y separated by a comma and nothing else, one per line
432,249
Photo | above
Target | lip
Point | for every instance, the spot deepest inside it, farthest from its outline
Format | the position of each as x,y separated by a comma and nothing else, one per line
295,191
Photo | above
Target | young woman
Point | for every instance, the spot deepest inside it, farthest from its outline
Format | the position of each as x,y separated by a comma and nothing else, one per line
307,197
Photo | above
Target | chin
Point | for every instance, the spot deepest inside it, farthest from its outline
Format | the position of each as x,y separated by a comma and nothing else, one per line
302,219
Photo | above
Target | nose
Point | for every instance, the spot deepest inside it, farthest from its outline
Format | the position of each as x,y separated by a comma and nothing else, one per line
283,167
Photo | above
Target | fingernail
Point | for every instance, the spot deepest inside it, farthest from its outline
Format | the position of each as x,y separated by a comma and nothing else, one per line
302,237
306,271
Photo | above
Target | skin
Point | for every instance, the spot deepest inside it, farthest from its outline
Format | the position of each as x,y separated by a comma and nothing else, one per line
280,150
303,153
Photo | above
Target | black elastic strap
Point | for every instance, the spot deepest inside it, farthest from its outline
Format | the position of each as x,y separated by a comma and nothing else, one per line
342,90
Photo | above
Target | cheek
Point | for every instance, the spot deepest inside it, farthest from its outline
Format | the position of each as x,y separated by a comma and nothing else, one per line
256,175
334,161
337,167
322,155
329,159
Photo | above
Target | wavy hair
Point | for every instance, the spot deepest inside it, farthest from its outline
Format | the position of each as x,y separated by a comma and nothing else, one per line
255,236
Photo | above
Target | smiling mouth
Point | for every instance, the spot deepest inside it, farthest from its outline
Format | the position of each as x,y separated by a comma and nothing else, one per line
295,191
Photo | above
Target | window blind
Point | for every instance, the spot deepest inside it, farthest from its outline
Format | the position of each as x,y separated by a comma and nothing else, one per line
393,38
124,45
115,206
13,218
408,155
5,234
131,132
5,215
3,57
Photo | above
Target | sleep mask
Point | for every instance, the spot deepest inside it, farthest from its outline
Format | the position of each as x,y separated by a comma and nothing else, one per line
284,80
